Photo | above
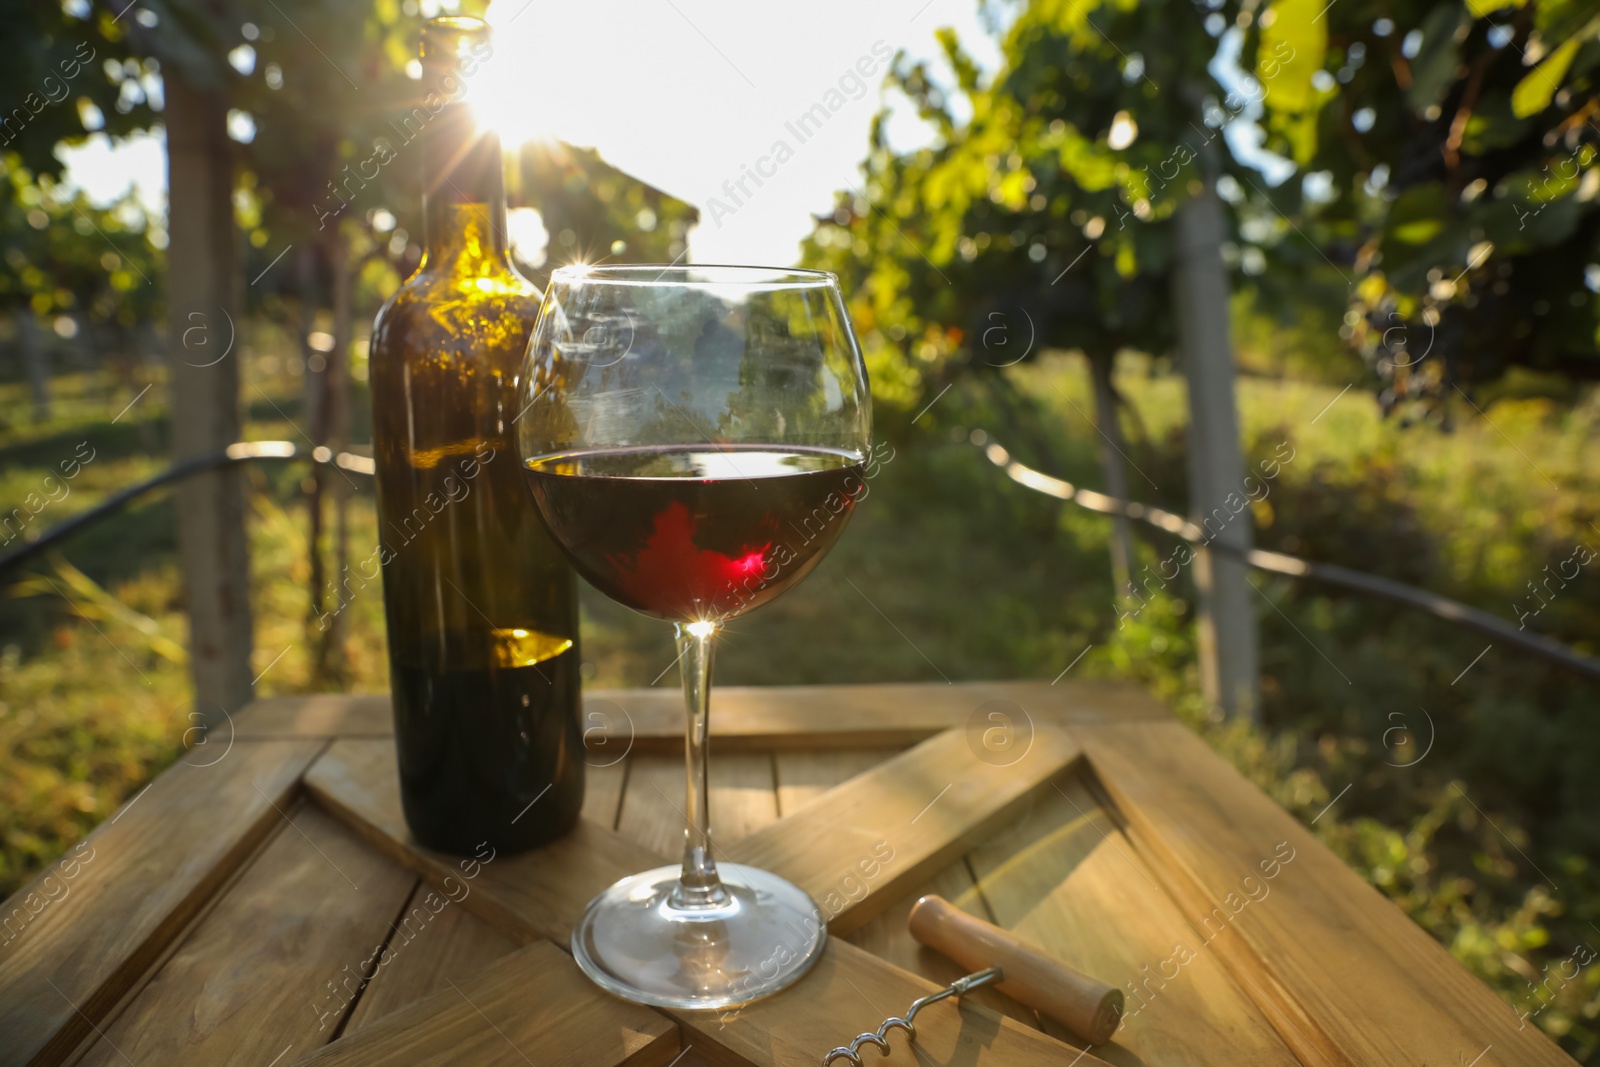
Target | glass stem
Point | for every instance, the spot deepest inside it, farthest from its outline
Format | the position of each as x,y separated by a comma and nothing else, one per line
699,886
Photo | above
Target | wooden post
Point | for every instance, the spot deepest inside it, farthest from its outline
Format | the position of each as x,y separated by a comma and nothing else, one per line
1229,652
202,323
336,425
35,360
312,406
1112,449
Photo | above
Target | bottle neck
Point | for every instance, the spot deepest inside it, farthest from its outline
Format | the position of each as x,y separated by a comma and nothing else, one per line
463,195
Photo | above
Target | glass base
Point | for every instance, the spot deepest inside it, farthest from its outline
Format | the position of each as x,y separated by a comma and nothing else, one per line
636,943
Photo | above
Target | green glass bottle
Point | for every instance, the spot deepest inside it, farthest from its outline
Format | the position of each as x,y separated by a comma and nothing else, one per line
481,605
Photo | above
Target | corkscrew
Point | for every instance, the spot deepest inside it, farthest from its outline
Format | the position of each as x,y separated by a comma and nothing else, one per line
851,1054
1088,1007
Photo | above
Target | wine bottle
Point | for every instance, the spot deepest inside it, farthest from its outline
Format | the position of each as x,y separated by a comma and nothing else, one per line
481,605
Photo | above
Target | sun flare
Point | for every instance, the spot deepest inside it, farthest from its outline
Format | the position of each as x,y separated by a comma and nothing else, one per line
508,97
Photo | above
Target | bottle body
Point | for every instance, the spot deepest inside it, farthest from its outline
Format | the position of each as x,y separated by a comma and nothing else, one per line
480,604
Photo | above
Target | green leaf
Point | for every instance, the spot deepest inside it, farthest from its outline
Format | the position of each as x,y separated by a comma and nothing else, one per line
1418,215
1492,126
1480,8
1418,232
1066,16
1127,261
1537,208
1534,92
1433,70
1091,166
1301,132
1294,43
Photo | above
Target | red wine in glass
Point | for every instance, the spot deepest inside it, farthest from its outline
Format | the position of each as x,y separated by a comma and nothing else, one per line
697,533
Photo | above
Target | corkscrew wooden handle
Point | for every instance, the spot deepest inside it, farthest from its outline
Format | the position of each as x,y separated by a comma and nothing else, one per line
1088,1007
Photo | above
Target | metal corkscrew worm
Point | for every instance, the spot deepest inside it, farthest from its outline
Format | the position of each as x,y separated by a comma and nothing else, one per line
852,1053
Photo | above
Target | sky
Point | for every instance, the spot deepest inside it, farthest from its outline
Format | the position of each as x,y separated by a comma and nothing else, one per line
685,95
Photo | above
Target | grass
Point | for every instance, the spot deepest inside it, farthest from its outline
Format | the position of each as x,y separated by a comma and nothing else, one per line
950,571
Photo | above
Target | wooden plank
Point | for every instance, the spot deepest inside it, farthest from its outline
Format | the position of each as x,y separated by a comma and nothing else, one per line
317,715
898,824
602,792
1342,973
423,956
878,716
533,1006
275,965
751,718
121,897
804,776
744,795
539,894
1070,883
743,800
652,815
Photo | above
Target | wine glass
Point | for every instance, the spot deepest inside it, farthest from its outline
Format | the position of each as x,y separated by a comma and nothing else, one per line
696,439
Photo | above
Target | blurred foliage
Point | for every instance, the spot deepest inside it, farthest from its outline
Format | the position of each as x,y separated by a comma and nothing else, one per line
69,70
1299,338
1040,213
1457,143
1449,146
65,256
78,268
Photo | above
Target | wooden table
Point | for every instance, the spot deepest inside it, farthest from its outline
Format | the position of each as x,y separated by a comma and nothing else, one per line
261,903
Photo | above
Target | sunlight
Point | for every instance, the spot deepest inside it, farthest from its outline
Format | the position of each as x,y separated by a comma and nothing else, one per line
508,96
515,117
494,81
